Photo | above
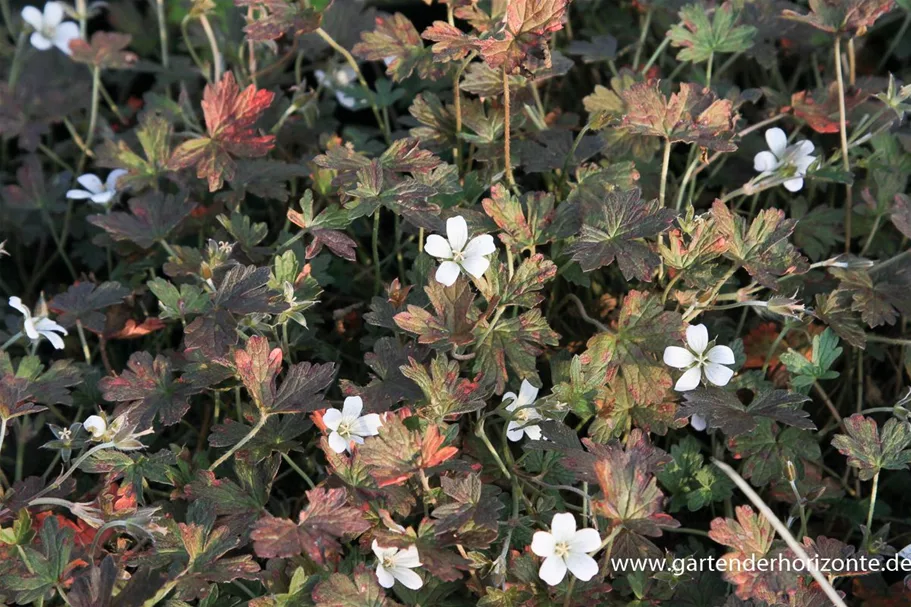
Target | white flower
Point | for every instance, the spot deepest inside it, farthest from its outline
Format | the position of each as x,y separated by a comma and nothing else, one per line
523,413
395,564
41,326
698,422
458,252
50,28
696,360
349,425
339,79
95,190
95,425
797,156
566,548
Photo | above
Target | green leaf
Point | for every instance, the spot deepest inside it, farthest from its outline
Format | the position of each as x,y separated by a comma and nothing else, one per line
358,589
524,223
766,451
869,451
804,373
690,482
445,393
513,344
702,38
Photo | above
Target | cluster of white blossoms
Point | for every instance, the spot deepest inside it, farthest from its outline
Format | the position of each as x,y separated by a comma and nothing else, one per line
50,29
796,158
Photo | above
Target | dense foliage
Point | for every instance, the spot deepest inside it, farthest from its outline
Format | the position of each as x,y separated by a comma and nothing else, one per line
326,303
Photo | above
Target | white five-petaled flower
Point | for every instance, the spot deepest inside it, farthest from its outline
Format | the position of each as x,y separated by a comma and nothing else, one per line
50,28
40,326
696,360
337,81
523,413
349,425
395,564
565,547
797,157
95,425
95,190
458,252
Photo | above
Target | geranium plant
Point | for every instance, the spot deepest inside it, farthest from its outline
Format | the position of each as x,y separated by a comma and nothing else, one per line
524,303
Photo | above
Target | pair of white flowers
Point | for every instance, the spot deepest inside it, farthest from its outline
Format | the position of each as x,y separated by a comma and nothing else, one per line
780,157
50,29
458,253
40,325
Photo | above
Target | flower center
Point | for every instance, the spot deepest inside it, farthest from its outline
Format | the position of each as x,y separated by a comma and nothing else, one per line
561,549
458,256
344,428
388,562
521,415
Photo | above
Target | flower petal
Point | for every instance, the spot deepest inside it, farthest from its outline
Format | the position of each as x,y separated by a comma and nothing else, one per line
408,558
53,14
722,355
585,540
677,357
113,177
765,161
804,147
332,418
40,42
16,303
777,141
457,232
527,393
46,325
563,526
794,185
514,431
718,374
582,566
103,197
543,543
345,100
552,570
64,34
30,330
476,266
78,194
533,432
803,164
368,425
407,577
689,380
480,246
381,552
697,338
511,396
33,17
352,407
437,246
448,273
337,443
698,422
91,182
384,577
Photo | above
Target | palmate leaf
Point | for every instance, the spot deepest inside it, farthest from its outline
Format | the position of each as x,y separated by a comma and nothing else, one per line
24,389
471,515
388,385
834,309
804,373
519,42
47,567
690,482
615,233
692,115
557,149
84,301
452,320
525,222
722,409
445,393
396,41
438,556
701,38
763,247
326,519
152,388
621,407
849,16
105,50
274,18
878,303
512,344
751,535
397,452
406,197
358,589
151,218
154,134
452,44
870,451
767,449
230,117
524,288
279,435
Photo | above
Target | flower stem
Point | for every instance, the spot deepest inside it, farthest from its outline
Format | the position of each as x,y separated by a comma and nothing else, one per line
642,36
234,448
85,345
377,274
93,117
507,152
665,162
218,63
479,432
872,500
843,131
299,470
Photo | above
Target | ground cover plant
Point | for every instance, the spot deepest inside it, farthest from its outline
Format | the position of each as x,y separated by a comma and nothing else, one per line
341,304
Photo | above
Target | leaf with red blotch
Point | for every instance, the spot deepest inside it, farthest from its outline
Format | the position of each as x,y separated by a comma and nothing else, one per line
631,499
274,18
692,115
230,115
519,43
751,535
451,320
842,16
396,41
358,589
151,218
397,452
820,109
445,392
452,44
616,232
762,247
106,51
151,387
258,367
870,451
84,301
320,526
525,223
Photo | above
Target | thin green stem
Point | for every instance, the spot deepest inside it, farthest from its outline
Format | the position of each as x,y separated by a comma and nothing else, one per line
93,118
184,30
651,60
234,448
299,470
377,274
708,70
843,132
218,62
479,432
873,493
86,352
16,65
665,163
896,40
507,153
643,34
